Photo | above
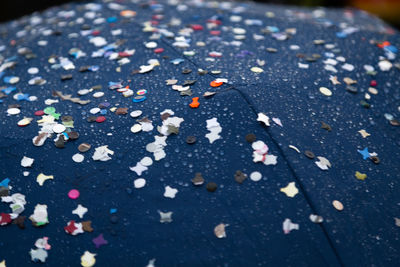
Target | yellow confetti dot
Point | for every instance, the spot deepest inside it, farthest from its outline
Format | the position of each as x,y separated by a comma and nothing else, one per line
41,178
256,69
325,91
24,121
360,176
88,259
290,190
3,263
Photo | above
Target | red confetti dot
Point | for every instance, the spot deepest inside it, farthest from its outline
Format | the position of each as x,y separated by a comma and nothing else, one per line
373,83
39,113
197,27
215,32
100,119
159,50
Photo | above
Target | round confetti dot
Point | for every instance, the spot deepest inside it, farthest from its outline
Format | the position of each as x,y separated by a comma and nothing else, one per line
73,194
136,128
309,154
139,183
39,113
33,70
337,204
59,128
215,84
78,158
127,13
98,94
24,122
250,138
256,69
136,113
94,110
151,45
191,139
13,111
255,176
211,187
325,91
141,92
84,147
100,119
146,161
83,92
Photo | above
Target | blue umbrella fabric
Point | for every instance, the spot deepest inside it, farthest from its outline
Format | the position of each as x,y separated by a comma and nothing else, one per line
191,133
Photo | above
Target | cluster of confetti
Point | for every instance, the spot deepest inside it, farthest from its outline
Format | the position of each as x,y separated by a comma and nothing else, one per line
113,114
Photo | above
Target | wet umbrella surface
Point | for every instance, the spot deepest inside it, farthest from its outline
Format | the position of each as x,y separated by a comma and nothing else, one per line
138,133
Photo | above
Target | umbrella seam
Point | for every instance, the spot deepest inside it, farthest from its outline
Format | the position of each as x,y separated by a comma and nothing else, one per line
308,200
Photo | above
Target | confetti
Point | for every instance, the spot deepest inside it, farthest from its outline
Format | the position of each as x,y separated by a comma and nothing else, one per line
288,226
290,190
41,178
88,259
170,192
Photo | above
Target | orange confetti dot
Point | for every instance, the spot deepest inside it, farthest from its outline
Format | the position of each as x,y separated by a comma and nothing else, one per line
128,13
215,84
195,102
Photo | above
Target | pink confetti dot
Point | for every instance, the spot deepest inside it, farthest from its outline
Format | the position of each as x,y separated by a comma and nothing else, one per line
73,194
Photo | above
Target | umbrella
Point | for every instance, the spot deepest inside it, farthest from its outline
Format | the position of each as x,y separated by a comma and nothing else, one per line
191,133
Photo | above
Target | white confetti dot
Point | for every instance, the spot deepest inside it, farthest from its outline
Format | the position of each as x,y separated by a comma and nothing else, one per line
94,110
33,70
136,113
98,94
136,128
139,183
255,176
78,157
58,128
151,45
146,161
13,111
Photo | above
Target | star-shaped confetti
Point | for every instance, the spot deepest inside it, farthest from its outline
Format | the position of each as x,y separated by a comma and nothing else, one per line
80,211
38,255
364,153
99,241
88,259
70,228
334,80
165,217
290,190
363,133
360,176
139,168
41,178
170,192
270,159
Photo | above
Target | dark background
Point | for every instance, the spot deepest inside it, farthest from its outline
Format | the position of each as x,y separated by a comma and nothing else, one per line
389,10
